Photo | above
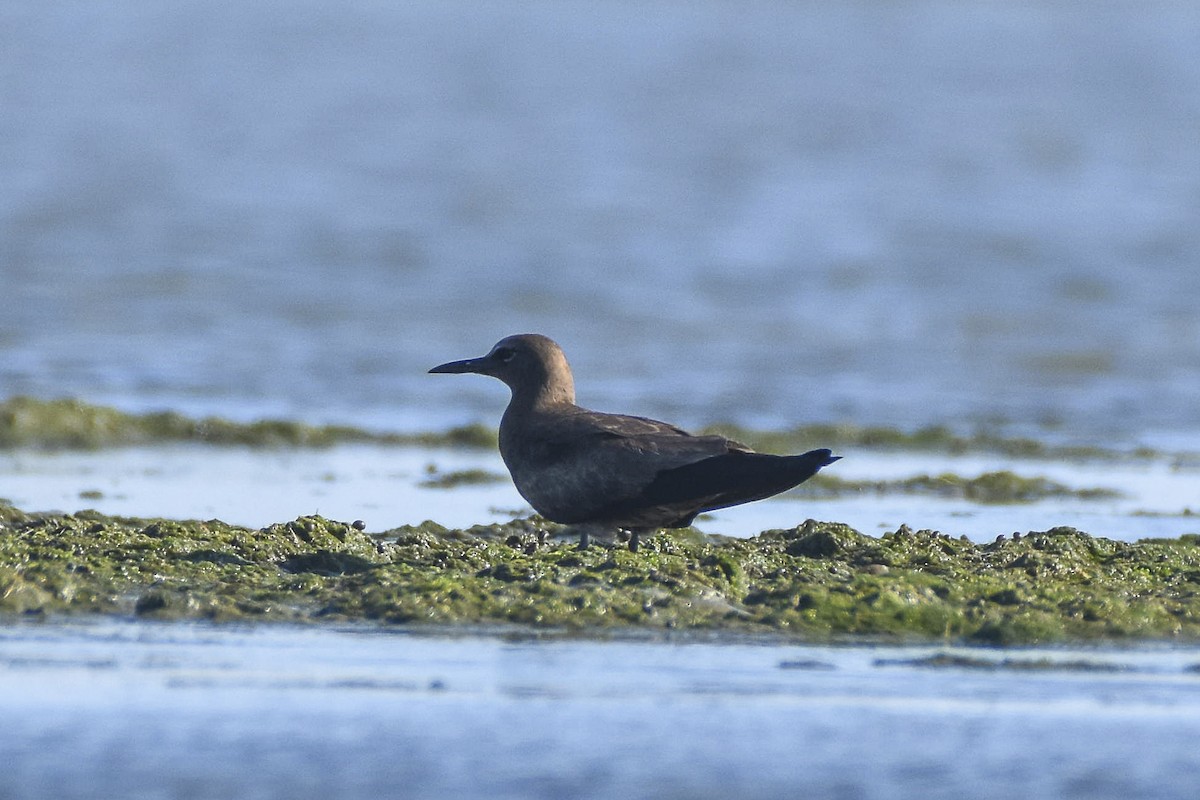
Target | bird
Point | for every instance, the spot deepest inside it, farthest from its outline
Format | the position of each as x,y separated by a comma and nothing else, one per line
605,472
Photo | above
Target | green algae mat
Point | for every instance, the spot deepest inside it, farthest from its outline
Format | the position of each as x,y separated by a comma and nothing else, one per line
819,581
74,424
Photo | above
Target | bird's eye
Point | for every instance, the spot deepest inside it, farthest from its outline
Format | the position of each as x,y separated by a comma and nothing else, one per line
505,354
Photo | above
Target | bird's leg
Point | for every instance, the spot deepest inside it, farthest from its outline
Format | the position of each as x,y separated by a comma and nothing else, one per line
634,540
585,538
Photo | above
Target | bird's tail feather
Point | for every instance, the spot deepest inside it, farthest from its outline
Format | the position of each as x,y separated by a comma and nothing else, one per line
733,478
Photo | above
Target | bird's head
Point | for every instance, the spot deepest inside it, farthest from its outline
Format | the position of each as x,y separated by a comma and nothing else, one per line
533,366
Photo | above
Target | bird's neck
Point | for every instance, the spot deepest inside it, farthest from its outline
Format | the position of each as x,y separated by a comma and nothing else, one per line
555,390
523,412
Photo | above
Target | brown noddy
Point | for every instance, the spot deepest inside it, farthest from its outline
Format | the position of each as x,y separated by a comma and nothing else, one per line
581,467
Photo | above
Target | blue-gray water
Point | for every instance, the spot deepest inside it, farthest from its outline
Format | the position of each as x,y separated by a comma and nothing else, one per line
771,212
185,711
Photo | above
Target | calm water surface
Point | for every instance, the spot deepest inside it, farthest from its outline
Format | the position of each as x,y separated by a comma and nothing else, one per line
385,487
163,711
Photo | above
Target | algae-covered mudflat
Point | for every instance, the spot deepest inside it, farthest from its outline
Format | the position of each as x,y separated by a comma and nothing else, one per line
817,581
802,579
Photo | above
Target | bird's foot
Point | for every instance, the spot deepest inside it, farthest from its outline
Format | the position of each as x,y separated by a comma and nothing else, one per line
634,541
585,540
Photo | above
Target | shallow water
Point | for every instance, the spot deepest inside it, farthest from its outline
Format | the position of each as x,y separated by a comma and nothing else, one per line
146,710
383,487
903,213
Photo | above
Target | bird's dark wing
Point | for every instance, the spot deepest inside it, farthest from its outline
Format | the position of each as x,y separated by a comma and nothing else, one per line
678,494
571,466
722,481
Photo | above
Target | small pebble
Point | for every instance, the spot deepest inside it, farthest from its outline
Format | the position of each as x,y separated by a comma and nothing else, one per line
358,525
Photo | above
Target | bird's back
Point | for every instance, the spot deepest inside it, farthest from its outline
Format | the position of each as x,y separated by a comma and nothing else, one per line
574,465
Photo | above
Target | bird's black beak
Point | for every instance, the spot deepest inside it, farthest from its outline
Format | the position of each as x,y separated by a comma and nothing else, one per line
476,365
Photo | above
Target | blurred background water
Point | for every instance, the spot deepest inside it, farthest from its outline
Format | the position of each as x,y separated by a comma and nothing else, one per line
768,212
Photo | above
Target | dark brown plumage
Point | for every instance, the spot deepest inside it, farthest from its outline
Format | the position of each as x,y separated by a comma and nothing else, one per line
576,466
